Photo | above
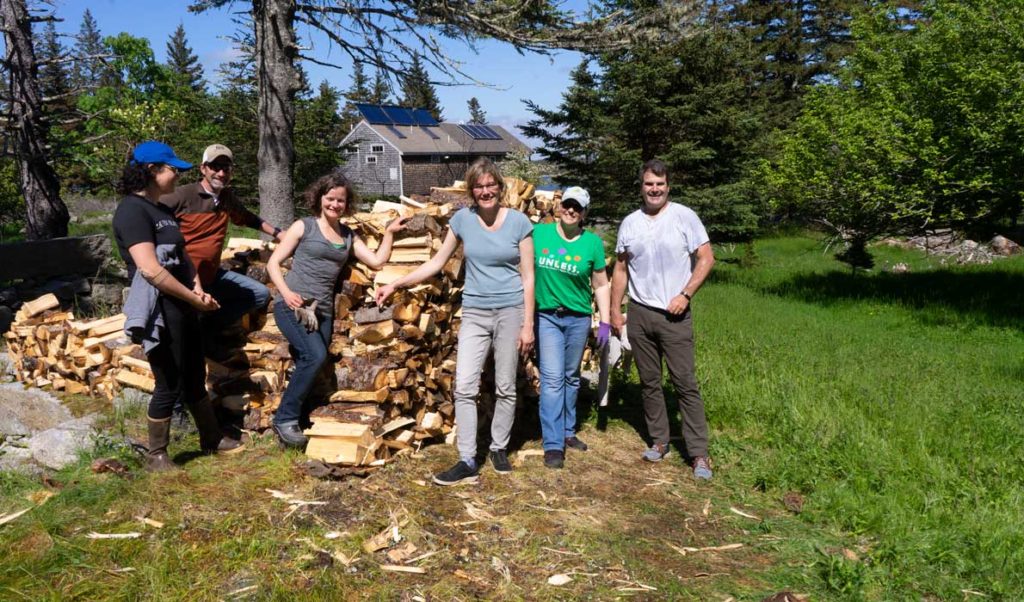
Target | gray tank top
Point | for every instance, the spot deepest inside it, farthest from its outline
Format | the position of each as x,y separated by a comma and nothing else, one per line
316,265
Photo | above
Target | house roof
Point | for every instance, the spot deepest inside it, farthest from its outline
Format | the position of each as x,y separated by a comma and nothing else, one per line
443,139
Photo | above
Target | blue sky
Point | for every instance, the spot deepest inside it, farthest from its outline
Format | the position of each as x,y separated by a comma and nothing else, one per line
542,79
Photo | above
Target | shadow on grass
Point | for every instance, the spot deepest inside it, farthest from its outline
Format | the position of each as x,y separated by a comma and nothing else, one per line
985,297
625,405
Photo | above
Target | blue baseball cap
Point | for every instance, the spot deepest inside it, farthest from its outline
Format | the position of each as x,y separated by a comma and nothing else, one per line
152,151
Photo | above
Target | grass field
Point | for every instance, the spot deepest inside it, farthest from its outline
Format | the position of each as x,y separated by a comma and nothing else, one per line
893,402
889,404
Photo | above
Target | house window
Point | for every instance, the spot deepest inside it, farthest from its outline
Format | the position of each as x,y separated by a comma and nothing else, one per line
371,160
377,148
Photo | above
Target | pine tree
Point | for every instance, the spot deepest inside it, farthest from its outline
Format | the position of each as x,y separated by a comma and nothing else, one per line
319,130
358,92
90,69
417,91
573,134
53,77
476,113
183,62
380,93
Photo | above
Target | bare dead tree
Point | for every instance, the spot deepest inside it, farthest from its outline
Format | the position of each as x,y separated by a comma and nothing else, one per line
387,34
46,214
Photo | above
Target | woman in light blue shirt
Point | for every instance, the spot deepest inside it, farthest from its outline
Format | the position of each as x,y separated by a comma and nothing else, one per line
497,311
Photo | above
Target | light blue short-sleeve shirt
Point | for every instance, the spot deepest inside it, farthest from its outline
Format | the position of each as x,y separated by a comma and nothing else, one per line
660,252
491,259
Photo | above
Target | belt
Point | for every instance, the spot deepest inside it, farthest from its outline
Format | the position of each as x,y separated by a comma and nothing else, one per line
565,311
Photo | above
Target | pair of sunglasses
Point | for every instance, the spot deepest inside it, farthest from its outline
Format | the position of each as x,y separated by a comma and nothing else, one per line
572,205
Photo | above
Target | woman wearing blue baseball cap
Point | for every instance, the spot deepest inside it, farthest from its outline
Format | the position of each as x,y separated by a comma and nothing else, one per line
164,300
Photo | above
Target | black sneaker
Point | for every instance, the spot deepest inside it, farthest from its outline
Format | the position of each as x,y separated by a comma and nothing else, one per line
456,475
499,459
554,458
575,443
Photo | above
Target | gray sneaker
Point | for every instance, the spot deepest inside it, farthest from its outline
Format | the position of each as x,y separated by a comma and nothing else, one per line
656,452
702,468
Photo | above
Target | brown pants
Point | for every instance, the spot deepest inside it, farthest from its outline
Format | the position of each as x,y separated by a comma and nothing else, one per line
653,335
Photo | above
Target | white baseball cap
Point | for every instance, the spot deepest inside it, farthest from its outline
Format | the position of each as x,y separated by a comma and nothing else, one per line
577,194
217,150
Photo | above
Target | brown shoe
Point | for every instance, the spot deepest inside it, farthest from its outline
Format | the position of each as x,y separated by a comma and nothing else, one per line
157,459
211,439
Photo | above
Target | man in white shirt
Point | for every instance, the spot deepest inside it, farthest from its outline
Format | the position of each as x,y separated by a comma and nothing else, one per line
664,255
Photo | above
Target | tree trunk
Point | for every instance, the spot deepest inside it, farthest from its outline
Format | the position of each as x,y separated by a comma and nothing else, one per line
278,82
46,214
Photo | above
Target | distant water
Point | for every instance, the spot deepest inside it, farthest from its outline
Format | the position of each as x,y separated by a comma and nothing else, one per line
547,183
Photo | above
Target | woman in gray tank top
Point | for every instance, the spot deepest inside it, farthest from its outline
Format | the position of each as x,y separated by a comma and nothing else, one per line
304,311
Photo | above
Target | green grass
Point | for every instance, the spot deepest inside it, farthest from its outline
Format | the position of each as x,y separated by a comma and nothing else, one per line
892,401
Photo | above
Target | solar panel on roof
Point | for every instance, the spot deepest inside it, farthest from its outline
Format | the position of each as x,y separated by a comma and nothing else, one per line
430,132
374,114
423,117
399,115
480,132
487,131
396,132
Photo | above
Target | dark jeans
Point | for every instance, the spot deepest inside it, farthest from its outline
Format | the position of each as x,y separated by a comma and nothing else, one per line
237,294
309,352
177,362
653,335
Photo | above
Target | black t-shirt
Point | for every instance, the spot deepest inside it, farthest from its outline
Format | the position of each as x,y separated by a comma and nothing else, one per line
138,220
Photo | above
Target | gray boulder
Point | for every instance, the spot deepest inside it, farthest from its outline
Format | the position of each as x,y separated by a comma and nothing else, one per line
24,412
1004,246
60,446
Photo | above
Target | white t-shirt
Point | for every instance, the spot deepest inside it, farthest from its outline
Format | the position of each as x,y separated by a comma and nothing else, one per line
660,252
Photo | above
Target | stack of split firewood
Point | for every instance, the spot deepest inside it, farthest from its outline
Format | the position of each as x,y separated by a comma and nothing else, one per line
50,349
390,380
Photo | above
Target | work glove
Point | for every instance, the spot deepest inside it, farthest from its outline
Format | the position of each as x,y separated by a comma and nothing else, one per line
306,315
604,330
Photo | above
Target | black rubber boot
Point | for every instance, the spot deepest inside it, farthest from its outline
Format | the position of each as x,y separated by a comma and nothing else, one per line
157,459
211,439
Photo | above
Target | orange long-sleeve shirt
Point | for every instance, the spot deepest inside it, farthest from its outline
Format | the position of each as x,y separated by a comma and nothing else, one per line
203,219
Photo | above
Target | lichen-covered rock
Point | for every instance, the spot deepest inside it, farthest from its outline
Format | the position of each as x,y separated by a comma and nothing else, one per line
60,446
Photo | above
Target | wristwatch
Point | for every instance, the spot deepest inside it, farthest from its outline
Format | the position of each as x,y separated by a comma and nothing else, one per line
688,296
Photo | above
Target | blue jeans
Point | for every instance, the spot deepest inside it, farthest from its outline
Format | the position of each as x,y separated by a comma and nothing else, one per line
309,352
560,343
237,294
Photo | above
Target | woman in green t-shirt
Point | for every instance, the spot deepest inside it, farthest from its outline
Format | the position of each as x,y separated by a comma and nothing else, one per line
569,263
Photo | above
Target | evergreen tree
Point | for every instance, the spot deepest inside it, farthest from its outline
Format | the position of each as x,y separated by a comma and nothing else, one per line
319,130
236,114
690,103
476,113
572,135
89,66
417,91
183,62
380,93
358,92
53,77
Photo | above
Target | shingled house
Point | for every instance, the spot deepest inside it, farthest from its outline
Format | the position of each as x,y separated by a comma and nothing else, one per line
396,150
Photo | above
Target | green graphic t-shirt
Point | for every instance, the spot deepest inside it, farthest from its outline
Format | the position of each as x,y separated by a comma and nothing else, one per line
563,268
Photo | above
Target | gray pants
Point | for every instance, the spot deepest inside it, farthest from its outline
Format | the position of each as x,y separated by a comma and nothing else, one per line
654,335
480,330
